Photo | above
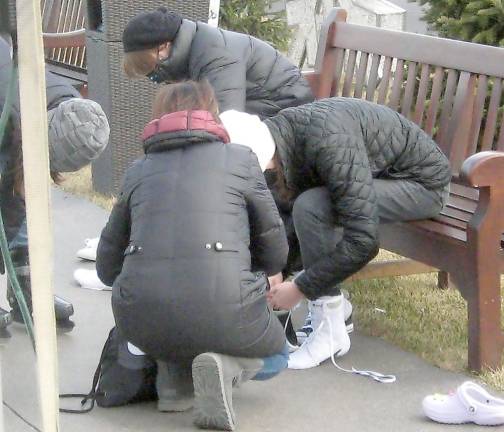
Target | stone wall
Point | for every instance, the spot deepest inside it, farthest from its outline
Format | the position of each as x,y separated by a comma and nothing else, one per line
306,16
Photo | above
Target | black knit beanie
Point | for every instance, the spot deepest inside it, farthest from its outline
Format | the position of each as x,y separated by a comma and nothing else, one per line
150,29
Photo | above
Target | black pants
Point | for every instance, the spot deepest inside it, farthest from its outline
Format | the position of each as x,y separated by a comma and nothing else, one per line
318,231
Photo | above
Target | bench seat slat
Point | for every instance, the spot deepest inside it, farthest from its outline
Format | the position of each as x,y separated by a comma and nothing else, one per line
439,228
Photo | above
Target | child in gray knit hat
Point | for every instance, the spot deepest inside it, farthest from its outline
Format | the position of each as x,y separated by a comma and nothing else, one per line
78,133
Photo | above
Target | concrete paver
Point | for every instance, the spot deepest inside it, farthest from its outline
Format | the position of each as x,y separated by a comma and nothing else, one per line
321,399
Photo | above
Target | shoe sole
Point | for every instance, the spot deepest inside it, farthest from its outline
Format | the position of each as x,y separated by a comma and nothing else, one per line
211,410
438,417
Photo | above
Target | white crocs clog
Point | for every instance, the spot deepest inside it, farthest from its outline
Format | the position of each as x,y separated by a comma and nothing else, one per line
470,403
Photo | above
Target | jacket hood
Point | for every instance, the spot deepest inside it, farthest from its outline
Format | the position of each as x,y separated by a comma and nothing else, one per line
180,129
175,66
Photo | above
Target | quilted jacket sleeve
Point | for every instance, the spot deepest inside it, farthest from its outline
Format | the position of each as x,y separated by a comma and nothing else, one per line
114,239
227,75
268,243
342,165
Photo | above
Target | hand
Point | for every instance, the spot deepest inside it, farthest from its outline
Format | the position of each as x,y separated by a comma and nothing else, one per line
284,295
275,279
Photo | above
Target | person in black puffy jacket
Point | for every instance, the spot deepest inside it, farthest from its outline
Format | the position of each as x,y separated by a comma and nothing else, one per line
344,165
246,73
187,249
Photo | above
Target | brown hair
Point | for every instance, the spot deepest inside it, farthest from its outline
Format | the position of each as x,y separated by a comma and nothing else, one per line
285,193
186,96
138,64
17,171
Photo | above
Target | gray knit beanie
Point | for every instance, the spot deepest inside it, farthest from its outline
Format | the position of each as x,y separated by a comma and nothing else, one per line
78,133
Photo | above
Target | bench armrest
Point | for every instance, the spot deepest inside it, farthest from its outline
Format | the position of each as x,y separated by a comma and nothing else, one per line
484,169
76,38
313,78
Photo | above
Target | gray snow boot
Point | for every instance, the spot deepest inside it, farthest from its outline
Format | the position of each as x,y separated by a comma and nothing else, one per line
214,376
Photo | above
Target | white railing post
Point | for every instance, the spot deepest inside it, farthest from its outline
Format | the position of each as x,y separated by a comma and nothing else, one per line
37,195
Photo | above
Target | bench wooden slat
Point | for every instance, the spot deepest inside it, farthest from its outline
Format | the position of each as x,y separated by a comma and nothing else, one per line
434,100
444,230
361,75
479,107
397,85
422,95
455,213
384,83
409,90
491,121
462,203
349,73
449,221
340,57
373,77
448,53
448,97
464,191
500,142
458,138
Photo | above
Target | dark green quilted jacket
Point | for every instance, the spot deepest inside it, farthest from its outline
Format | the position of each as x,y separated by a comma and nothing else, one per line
343,144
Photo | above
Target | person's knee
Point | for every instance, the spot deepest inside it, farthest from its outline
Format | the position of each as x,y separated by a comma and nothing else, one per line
306,205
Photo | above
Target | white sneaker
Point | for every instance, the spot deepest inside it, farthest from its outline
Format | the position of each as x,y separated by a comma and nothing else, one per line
329,337
89,279
88,252
305,331
470,403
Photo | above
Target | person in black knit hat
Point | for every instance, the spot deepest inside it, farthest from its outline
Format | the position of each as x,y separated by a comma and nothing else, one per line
246,73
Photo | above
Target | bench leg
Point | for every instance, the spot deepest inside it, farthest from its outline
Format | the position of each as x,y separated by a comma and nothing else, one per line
485,337
443,280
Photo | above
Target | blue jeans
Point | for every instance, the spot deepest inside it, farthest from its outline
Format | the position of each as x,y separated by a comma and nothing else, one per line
273,365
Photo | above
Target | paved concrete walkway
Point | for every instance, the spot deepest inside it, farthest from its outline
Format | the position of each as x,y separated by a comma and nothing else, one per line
318,400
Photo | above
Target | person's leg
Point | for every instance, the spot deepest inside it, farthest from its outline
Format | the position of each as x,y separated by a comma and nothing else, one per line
174,386
273,365
318,234
403,200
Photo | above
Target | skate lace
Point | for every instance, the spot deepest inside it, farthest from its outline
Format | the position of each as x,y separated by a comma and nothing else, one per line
377,376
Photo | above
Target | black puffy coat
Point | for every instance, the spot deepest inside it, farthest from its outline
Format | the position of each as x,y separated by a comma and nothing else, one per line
187,243
246,73
343,144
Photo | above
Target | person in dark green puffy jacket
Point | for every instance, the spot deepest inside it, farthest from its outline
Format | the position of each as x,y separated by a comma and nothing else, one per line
246,73
342,166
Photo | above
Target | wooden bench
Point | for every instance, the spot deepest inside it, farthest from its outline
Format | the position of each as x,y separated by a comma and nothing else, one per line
453,90
64,35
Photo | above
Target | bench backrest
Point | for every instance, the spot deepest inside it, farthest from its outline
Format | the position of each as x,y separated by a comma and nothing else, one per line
60,16
452,89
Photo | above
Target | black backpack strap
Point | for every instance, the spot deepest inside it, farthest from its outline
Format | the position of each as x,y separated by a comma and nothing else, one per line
91,396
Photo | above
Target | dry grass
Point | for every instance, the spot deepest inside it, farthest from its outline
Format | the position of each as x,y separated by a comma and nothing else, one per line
79,183
418,316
